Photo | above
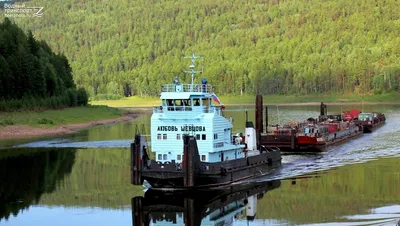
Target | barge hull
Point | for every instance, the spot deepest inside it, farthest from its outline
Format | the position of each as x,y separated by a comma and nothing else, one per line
285,144
369,128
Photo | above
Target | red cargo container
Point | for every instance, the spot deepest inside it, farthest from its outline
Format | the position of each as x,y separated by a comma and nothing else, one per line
333,128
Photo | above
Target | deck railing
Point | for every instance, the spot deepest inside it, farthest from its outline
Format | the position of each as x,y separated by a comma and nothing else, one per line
199,109
202,88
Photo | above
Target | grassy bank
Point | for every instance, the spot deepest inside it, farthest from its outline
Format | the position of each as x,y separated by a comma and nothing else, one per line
65,116
248,99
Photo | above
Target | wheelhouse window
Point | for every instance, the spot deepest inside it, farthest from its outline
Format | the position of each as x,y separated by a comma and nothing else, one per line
178,157
196,102
203,136
206,101
164,136
187,102
165,157
169,102
178,136
215,136
197,136
158,136
203,157
178,103
159,156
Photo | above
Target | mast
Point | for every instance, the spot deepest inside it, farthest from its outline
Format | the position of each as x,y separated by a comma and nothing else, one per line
193,65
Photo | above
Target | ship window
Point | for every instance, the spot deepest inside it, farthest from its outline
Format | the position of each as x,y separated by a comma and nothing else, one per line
178,102
203,136
164,136
178,136
203,157
159,157
165,156
187,102
215,136
178,157
158,136
197,136
196,102
170,102
206,102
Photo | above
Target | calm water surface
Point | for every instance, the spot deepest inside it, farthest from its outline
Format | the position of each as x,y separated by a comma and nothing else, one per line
83,179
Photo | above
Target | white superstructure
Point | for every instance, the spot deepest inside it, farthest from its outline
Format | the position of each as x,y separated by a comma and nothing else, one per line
189,109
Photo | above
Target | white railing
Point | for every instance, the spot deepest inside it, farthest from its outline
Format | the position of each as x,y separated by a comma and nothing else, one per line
202,88
200,109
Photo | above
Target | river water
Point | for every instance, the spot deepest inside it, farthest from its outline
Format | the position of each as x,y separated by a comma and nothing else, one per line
84,179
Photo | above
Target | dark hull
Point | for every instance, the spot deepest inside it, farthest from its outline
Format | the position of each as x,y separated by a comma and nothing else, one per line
194,174
372,128
232,171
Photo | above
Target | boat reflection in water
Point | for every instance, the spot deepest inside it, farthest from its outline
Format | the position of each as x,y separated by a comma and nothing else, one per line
210,207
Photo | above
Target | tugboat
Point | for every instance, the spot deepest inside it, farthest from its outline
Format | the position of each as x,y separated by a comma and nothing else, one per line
203,207
192,142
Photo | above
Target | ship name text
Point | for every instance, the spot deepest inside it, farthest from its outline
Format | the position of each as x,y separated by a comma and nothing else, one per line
190,128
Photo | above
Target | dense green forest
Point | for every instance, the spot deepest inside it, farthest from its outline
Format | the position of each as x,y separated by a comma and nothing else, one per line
31,75
280,46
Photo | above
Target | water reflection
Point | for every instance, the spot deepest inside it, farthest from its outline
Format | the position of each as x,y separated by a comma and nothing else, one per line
25,176
387,215
211,207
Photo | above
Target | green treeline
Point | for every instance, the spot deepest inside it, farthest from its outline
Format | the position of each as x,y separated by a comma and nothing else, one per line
282,47
31,75
26,175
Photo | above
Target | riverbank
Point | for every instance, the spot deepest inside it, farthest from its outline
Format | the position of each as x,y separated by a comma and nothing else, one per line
280,100
14,125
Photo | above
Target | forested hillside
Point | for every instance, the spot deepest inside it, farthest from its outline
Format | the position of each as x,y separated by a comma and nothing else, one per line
280,46
31,75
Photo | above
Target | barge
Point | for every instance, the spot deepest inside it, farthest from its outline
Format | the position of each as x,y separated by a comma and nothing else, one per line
192,143
313,135
370,121
215,207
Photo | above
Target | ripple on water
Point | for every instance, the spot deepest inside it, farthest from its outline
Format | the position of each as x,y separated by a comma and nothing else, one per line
359,150
65,143
387,215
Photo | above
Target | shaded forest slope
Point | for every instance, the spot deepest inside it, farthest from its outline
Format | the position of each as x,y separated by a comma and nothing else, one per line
282,47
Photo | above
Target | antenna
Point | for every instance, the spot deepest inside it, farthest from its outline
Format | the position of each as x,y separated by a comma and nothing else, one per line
362,108
277,109
341,108
193,65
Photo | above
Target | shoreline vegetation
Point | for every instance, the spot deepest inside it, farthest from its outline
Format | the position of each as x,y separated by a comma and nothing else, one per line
280,100
24,124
